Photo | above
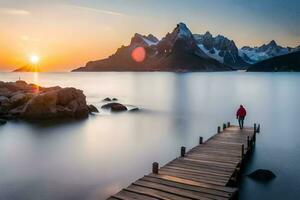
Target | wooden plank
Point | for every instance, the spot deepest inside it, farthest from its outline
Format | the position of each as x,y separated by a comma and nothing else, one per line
194,183
126,195
197,171
197,164
211,193
173,190
213,163
162,195
228,160
203,169
195,174
202,173
194,178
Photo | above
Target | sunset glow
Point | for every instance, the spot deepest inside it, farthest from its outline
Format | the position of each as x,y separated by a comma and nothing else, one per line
34,59
68,34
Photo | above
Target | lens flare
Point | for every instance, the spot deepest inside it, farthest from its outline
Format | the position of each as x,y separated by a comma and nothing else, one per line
138,54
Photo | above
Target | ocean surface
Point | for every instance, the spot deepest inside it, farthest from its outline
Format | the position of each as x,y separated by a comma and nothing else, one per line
94,158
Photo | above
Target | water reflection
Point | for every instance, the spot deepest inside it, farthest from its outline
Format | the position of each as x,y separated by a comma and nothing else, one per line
90,159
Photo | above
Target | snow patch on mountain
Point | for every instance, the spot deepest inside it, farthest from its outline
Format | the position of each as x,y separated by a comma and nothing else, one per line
184,31
220,48
213,54
150,42
142,40
266,51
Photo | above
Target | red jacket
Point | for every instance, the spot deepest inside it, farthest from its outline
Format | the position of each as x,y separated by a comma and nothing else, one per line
241,112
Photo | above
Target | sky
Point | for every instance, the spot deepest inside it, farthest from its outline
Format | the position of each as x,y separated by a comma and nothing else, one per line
66,34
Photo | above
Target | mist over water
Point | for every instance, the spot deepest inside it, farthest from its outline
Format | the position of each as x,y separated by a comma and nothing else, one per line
94,158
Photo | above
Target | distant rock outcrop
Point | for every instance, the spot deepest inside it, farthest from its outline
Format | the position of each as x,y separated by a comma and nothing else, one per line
28,68
115,107
284,63
177,51
29,101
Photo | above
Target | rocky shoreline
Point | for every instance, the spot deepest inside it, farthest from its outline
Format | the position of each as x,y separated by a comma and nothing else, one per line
20,100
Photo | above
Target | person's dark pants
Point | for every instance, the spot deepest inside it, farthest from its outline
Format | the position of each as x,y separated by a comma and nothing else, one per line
241,122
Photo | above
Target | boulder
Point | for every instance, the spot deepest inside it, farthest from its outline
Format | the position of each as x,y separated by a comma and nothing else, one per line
66,95
93,109
3,99
16,111
30,101
115,107
262,175
54,104
42,106
118,108
106,99
5,92
5,105
19,98
134,110
21,83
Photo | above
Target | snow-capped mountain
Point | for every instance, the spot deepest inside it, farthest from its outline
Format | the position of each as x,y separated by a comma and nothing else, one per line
284,63
181,50
180,39
177,51
266,51
142,40
221,49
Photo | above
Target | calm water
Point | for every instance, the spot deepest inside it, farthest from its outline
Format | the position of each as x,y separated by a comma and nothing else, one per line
94,158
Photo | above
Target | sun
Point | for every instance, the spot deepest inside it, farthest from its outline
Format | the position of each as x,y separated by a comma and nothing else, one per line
34,59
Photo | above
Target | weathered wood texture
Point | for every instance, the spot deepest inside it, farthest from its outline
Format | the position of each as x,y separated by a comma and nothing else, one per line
208,171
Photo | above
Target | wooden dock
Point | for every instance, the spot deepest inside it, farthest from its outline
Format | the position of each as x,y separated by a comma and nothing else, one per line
208,171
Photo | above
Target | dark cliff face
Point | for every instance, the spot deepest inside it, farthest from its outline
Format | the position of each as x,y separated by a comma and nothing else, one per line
222,49
287,62
177,51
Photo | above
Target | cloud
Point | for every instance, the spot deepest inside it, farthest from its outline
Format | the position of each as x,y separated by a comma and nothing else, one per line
107,12
13,11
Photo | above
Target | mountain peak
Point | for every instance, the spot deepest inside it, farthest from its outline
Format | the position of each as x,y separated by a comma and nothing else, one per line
136,39
207,34
152,38
183,31
181,25
141,40
272,43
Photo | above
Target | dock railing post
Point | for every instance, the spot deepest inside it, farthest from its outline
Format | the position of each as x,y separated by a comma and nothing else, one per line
255,127
182,152
258,128
155,166
248,143
228,124
224,127
200,140
243,151
219,129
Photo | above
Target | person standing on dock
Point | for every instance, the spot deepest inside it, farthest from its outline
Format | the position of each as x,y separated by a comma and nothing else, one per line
240,115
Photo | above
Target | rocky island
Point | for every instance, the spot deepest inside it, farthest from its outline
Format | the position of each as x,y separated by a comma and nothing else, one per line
29,101
177,51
